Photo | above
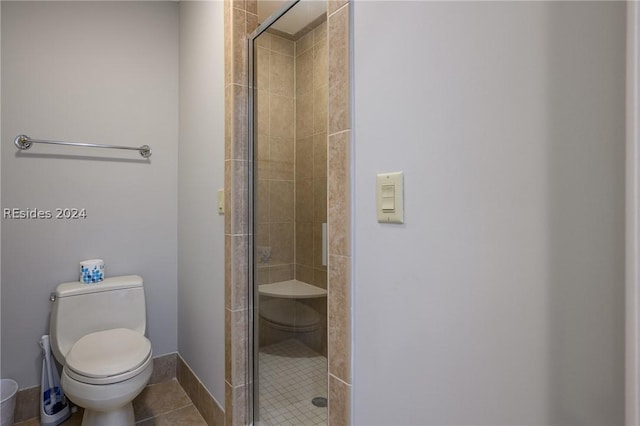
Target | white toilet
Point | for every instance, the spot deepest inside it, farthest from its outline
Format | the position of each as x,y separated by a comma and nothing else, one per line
97,334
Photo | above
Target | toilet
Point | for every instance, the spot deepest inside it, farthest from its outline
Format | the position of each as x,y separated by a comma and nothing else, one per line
97,334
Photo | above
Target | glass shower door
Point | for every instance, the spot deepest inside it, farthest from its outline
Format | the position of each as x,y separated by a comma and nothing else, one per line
289,77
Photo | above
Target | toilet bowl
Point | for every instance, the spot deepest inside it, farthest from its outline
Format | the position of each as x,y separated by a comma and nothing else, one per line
105,371
98,335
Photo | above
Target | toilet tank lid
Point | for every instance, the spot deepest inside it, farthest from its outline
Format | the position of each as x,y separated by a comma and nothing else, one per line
76,288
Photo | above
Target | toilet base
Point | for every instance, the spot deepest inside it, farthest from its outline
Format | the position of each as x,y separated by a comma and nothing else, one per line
120,417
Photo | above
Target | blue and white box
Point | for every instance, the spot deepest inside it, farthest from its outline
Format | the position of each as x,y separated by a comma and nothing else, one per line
92,271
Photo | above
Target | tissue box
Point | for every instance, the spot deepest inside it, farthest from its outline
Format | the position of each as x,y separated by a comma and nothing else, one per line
91,271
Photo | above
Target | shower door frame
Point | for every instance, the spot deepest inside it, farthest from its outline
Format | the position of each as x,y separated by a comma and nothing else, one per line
632,296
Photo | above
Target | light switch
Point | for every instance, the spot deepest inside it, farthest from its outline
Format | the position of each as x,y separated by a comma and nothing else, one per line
390,196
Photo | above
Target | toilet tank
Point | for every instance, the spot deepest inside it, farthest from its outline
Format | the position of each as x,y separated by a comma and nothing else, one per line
80,309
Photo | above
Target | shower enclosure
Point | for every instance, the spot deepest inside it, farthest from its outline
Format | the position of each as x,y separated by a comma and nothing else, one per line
288,130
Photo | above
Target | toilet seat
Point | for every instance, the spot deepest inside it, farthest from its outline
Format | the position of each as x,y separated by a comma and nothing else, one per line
108,356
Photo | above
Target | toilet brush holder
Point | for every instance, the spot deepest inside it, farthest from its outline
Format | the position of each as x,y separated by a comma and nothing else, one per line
54,418
54,408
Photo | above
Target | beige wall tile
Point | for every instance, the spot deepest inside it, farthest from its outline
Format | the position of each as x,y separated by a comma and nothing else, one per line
304,115
304,43
320,33
239,125
239,197
304,273
264,40
282,158
339,305
263,275
239,272
235,405
339,403
228,43
304,72
262,106
27,404
239,55
281,201
236,351
304,158
227,271
261,208
228,120
339,197
320,278
186,378
227,195
262,68
304,200
282,117
320,109
304,243
262,142
164,368
208,407
334,5
252,22
320,155
229,403
251,6
339,114
282,273
320,64
161,398
281,45
320,200
281,73
281,243
262,235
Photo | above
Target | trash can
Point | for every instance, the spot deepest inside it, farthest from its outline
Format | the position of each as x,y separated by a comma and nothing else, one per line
8,389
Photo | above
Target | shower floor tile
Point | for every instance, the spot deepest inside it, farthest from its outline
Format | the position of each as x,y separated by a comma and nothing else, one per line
291,375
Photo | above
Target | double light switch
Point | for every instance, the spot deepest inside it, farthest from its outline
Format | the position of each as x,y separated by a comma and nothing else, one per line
390,197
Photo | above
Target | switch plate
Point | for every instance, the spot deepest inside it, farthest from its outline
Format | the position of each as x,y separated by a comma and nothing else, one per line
390,196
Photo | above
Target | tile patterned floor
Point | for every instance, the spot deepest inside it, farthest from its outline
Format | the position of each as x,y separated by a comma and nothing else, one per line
291,375
162,404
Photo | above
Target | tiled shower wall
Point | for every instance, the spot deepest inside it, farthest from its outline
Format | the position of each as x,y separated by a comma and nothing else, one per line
291,99
311,154
292,175
275,140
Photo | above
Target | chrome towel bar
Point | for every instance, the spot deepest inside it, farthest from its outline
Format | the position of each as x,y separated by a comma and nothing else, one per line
25,142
